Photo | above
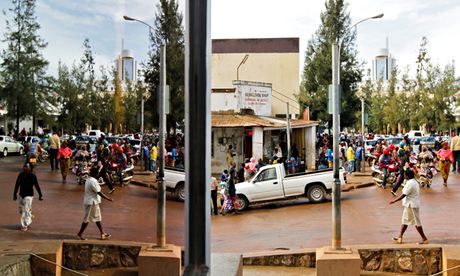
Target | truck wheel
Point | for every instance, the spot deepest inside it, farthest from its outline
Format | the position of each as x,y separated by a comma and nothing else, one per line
316,193
21,151
179,193
5,152
241,203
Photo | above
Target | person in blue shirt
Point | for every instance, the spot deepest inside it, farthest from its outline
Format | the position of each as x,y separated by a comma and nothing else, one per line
146,157
358,156
329,157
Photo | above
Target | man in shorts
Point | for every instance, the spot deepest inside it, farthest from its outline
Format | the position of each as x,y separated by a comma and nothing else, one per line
92,201
411,202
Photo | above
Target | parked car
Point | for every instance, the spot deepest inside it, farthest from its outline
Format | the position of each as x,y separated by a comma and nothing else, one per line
9,145
428,141
414,134
175,182
271,183
394,141
369,146
113,140
135,144
95,133
81,140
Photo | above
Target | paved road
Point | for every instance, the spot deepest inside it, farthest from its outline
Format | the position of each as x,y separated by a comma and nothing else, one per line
366,216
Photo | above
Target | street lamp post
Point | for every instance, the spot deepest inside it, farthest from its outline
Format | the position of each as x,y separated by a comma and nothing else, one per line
161,209
241,63
336,189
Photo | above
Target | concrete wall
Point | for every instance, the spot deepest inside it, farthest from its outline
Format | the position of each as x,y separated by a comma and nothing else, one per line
224,101
234,137
279,69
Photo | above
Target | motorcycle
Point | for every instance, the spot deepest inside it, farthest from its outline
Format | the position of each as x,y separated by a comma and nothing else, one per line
81,170
377,174
120,173
425,175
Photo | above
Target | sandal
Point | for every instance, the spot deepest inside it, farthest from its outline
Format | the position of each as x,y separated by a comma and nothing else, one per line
424,242
81,238
397,240
105,236
24,229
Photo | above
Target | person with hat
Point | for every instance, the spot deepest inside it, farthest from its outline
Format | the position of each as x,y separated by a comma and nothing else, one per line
25,184
446,158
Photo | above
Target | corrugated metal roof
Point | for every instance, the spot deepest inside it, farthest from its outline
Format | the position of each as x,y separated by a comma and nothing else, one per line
243,120
238,120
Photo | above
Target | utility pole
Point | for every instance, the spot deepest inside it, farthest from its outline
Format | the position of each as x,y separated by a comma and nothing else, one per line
161,211
363,151
142,113
288,133
198,138
336,189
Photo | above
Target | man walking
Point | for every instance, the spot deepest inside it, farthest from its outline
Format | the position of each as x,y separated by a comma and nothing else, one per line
25,184
55,144
358,156
411,201
92,200
455,148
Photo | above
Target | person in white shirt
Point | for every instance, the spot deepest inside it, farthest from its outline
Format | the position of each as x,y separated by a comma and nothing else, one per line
91,202
411,202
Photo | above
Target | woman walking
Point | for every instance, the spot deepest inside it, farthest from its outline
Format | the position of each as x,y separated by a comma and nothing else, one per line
446,158
25,184
63,156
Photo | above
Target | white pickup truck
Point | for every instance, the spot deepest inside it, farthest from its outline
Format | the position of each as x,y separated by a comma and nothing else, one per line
271,183
175,182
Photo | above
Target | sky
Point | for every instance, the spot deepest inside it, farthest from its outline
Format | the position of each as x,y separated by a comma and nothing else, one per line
66,23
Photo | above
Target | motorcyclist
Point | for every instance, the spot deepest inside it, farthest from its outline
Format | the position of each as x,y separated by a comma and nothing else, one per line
120,158
403,158
82,154
103,154
385,160
32,153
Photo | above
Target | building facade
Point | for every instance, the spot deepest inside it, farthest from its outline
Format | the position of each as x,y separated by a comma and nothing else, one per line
264,60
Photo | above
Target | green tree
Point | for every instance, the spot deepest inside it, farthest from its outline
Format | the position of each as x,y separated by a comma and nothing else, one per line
168,30
376,105
317,72
23,67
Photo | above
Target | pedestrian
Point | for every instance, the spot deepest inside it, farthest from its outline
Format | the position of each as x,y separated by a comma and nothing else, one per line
240,174
445,157
329,157
229,157
411,202
351,158
214,195
455,148
146,157
358,156
92,200
63,156
230,195
25,183
55,144
153,158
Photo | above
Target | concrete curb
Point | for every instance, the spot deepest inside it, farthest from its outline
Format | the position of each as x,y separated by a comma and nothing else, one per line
350,187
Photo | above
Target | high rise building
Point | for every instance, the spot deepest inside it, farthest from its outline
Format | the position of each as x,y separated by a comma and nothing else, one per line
383,65
126,66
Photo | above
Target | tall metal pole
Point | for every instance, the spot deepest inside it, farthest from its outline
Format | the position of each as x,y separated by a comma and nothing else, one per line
336,189
161,211
142,114
198,138
288,133
363,151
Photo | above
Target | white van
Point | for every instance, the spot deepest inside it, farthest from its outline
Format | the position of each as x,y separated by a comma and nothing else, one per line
415,134
95,133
